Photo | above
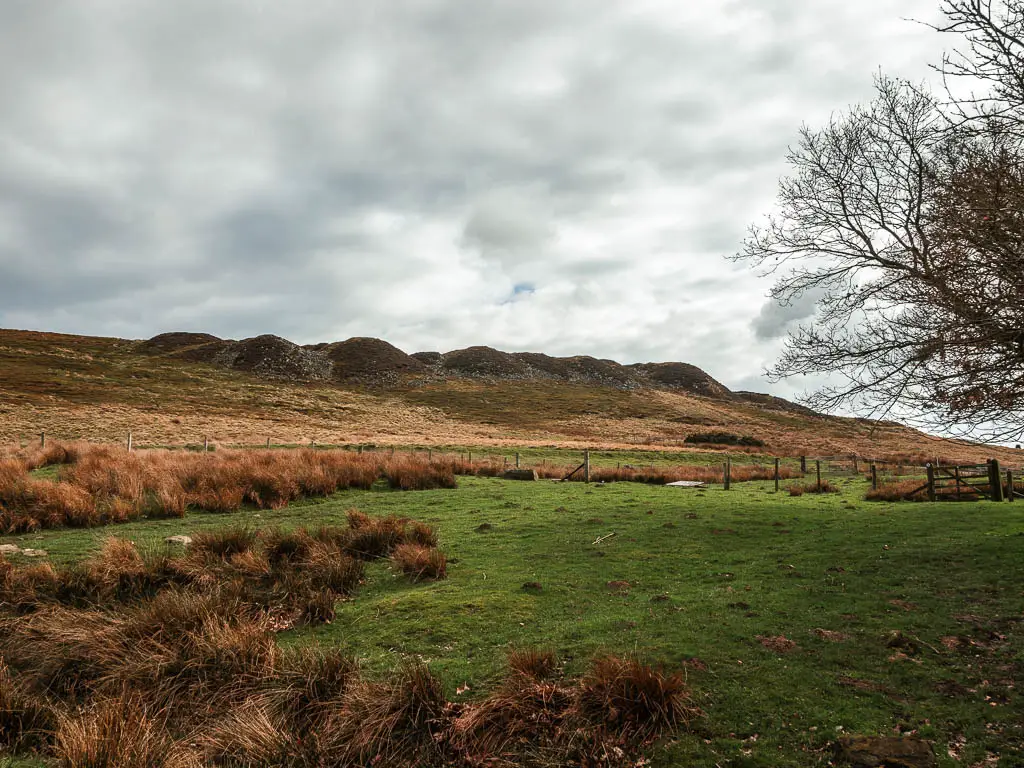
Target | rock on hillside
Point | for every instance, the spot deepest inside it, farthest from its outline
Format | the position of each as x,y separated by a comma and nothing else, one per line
266,356
368,358
582,369
274,357
166,343
683,376
483,362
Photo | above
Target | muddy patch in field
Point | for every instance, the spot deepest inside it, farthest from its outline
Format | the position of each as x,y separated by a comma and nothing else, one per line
777,643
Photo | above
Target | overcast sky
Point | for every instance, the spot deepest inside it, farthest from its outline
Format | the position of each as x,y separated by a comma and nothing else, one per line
545,175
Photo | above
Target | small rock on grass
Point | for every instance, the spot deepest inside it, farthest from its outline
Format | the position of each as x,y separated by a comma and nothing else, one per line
34,552
890,751
532,586
182,540
484,527
9,549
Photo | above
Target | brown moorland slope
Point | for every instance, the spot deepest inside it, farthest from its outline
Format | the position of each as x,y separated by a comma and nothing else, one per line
80,387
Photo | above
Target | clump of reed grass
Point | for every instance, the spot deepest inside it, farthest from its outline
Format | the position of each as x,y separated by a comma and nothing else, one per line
420,563
633,698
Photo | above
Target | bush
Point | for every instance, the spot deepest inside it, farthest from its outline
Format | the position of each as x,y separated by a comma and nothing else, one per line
723,438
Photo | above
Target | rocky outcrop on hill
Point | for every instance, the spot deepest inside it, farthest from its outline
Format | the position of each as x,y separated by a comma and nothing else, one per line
366,358
175,341
376,362
683,376
269,357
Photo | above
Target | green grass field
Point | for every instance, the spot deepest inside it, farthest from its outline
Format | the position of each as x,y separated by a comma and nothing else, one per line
702,575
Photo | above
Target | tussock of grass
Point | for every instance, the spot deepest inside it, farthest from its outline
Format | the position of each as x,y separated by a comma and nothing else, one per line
397,721
25,720
635,699
798,489
421,563
534,663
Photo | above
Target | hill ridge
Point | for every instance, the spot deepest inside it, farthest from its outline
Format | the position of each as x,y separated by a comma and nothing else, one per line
371,361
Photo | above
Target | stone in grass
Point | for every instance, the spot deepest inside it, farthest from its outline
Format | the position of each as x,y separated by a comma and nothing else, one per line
532,586
9,549
484,528
520,474
182,540
34,552
888,751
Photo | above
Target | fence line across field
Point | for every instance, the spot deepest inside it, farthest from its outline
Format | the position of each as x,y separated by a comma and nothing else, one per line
939,477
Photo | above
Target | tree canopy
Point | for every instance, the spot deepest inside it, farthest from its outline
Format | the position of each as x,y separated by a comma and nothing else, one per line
905,218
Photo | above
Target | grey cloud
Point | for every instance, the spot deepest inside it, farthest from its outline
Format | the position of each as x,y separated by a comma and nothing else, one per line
318,170
775,320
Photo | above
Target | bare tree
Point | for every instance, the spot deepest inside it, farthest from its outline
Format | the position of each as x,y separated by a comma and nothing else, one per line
907,221
991,56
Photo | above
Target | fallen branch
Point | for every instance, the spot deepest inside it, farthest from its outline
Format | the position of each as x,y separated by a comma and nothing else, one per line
599,539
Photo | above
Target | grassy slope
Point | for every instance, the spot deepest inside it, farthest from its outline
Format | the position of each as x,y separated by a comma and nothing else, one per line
735,565
100,389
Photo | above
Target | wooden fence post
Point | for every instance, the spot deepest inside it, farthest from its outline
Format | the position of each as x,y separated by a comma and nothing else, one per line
931,481
586,466
997,480
956,476
776,474
874,478
268,442
727,474
855,465
430,454
817,471
470,457
129,442
42,439
517,459
206,444
1009,485
803,464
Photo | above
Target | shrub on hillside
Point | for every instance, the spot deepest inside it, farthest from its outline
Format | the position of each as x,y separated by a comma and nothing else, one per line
723,438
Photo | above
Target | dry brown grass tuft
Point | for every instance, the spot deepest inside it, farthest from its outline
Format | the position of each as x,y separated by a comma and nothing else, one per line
421,533
121,732
634,699
26,720
411,473
250,735
421,563
524,715
356,518
906,490
376,538
535,663
223,543
400,721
